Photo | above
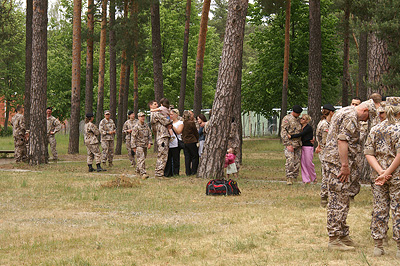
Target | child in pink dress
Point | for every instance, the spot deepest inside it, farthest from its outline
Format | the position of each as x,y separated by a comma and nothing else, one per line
230,164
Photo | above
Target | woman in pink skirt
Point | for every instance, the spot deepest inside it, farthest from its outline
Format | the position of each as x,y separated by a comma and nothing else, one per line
307,150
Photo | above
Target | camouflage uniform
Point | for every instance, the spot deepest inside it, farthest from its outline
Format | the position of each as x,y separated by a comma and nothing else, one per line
107,140
321,134
129,124
140,139
53,125
92,143
160,124
18,123
291,125
344,126
383,144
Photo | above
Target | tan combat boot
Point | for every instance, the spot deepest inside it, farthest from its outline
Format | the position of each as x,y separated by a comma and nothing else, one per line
289,181
378,249
347,241
336,244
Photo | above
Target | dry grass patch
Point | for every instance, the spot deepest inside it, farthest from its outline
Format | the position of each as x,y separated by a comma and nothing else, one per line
63,216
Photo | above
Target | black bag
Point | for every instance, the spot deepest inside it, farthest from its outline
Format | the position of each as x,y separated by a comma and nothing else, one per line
181,144
222,187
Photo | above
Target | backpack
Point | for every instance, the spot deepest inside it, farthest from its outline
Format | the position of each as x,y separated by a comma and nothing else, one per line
222,187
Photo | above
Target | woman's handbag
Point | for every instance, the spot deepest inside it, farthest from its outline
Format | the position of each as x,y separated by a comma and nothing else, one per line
181,144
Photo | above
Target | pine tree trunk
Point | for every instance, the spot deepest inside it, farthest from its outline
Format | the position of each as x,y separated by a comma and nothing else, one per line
113,64
378,64
7,118
38,124
362,65
89,59
346,55
76,80
229,78
28,62
184,58
315,64
102,63
285,64
237,114
201,48
135,10
157,55
126,95
121,115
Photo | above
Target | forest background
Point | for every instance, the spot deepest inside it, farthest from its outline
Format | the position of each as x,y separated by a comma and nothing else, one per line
358,40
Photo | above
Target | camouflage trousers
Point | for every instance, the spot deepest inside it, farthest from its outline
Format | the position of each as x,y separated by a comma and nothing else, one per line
53,144
162,155
20,151
131,156
386,197
93,152
339,199
108,150
324,182
141,154
292,165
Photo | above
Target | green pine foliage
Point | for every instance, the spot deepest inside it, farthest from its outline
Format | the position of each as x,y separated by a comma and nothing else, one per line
262,81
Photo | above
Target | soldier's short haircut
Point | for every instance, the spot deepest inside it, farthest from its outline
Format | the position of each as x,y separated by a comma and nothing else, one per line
19,108
357,98
151,102
376,97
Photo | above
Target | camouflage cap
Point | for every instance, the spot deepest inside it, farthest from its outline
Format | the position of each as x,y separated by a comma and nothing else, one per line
393,101
141,114
107,112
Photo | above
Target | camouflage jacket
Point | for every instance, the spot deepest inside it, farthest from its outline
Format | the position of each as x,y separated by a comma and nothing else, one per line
159,124
18,124
383,143
106,126
290,126
141,136
129,124
322,132
344,126
53,125
91,132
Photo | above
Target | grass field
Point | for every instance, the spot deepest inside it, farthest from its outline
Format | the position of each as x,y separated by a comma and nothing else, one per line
59,214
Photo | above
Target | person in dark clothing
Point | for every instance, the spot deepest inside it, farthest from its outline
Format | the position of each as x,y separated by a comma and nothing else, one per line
307,150
190,137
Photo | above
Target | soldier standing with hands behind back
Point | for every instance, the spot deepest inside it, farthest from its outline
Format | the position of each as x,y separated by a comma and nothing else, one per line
92,143
290,126
53,126
140,142
107,131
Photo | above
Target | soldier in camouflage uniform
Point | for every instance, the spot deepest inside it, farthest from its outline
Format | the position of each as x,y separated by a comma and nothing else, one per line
161,125
290,126
342,147
53,126
382,150
127,130
141,141
20,135
92,143
321,134
107,131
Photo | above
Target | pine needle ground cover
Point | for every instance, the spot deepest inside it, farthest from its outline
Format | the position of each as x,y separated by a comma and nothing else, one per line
59,214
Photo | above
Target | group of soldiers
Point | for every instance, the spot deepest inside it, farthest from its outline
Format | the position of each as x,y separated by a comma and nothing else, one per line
138,139
365,131
21,134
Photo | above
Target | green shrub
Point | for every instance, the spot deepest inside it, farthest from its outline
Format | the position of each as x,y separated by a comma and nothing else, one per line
5,132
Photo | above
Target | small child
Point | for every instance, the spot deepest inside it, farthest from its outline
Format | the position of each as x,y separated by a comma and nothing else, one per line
164,108
230,164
